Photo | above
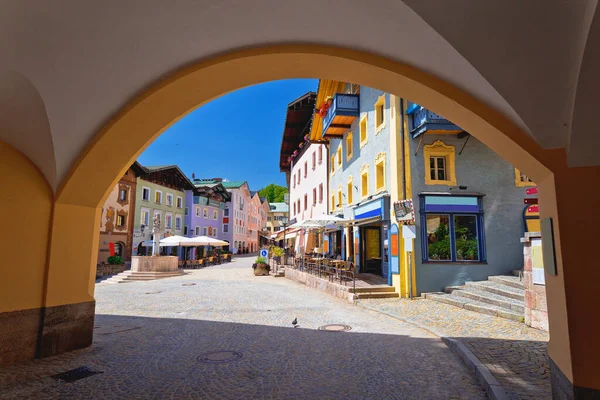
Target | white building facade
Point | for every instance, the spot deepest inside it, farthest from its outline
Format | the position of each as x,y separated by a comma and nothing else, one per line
308,191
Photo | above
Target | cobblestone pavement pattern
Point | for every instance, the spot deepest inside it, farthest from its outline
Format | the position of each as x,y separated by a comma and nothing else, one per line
150,338
516,354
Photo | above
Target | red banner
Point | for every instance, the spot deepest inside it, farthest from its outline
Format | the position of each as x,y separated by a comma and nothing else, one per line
111,248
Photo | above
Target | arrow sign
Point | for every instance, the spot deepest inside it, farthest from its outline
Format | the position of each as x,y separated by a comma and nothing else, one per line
533,209
531,190
533,200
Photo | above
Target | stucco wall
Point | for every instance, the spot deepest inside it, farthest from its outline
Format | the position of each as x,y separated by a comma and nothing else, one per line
376,143
153,206
483,171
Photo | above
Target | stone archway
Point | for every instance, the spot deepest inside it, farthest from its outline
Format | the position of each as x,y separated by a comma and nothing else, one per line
76,210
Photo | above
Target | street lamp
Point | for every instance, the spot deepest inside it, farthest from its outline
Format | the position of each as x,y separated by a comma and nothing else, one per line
284,222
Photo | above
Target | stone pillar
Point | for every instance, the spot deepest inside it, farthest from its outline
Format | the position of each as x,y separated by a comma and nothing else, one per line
536,309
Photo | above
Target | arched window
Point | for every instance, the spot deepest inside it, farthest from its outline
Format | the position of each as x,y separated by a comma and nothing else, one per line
119,249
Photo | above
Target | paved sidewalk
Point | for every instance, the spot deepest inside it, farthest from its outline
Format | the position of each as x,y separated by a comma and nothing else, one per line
170,338
516,354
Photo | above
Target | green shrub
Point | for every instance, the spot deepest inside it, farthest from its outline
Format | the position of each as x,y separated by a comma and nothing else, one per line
260,260
114,260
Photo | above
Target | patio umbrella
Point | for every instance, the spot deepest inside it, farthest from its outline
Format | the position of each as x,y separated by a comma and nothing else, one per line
197,241
174,240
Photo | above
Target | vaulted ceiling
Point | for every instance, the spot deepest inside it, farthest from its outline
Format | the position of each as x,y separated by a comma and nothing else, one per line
69,65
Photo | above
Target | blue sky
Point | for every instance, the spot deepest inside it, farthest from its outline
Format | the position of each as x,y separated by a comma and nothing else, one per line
236,137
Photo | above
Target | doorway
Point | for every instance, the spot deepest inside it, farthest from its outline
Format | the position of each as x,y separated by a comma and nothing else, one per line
371,250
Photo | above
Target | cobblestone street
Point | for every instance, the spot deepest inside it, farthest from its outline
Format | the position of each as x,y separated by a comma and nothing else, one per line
516,354
153,340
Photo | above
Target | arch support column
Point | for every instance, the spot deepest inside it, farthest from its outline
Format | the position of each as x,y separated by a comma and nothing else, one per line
573,305
69,305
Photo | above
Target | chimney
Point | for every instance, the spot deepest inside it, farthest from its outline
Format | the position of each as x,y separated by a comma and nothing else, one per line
218,179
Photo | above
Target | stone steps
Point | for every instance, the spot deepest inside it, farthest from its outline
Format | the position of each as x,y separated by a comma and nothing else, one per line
130,276
477,306
502,296
388,289
376,295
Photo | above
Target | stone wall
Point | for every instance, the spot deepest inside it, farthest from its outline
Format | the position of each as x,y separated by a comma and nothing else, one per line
107,269
536,310
323,285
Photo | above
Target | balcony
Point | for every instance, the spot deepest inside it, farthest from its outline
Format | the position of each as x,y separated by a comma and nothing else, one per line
343,111
422,120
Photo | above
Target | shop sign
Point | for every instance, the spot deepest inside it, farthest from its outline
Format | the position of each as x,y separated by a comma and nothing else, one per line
214,203
405,212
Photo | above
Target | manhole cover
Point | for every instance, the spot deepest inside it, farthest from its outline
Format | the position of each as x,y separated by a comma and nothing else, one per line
219,357
154,292
188,284
75,374
335,328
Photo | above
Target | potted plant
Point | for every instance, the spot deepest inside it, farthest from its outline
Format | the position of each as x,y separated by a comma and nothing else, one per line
114,260
261,266
276,253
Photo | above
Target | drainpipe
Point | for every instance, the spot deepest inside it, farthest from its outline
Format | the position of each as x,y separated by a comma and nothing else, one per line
403,148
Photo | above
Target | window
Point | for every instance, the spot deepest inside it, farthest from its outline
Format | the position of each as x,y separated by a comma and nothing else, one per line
320,193
299,206
197,211
349,188
205,213
332,165
187,211
314,198
198,231
168,221
123,195
380,114
363,132
522,180
314,160
305,168
298,177
178,223
158,197
226,212
215,215
320,155
364,181
146,194
332,202
339,156
205,231
185,230
380,172
225,228
439,164
169,200
120,220
340,197
179,202
294,208
305,202
145,218
349,145
450,235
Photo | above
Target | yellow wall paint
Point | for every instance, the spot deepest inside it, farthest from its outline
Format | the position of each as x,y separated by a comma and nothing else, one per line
73,253
26,201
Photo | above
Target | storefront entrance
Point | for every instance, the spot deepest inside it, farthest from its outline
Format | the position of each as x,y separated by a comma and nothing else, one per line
371,249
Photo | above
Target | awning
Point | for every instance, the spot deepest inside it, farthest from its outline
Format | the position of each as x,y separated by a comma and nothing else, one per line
366,221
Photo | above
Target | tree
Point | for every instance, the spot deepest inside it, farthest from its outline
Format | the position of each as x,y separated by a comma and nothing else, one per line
273,193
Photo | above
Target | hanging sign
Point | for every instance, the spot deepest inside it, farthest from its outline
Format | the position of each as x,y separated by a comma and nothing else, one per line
531,190
405,212
532,200
533,209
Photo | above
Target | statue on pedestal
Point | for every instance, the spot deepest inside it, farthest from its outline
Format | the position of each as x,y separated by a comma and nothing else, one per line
156,236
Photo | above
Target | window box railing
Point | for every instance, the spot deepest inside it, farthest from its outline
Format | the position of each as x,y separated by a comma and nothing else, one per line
422,120
343,111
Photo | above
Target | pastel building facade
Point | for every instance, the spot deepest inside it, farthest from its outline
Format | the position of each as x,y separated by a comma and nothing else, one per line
242,238
205,209
161,192
117,217
308,192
